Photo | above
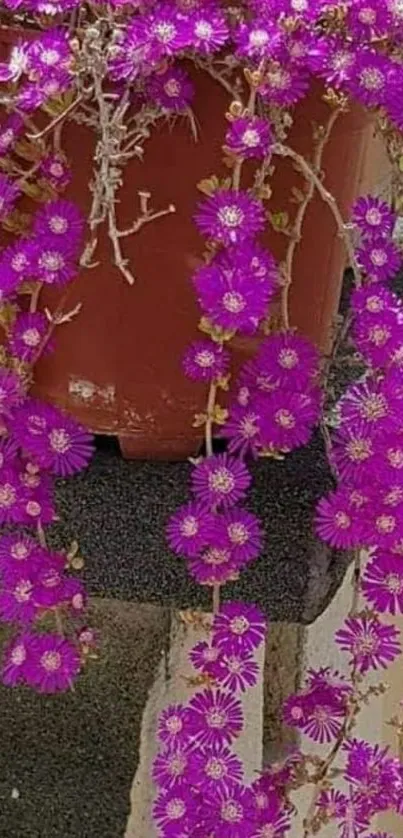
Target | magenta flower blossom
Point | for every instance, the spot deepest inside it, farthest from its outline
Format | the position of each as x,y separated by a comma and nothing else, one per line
230,297
333,804
12,497
52,263
208,30
16,549
11,392
54,168
248,138
371,644
53,665
171,90
173,812
67,447
203,655
319,710
382,583
17,602
173,765
238,628
368,19
215,566
74,596
229,812
188,530
229,217
24,558
372,403
354,453
49,583
16,659
288,419
9,133
255,377
237,673
372,75
28,335
289,359
383,526
374,300
373,217
9,193
215,767
204,360
241,532
173,724
220,480
215,717
19,259
16,65
380,259
374,775
284,85
256,40
168,31
50,54
60,222
243,429
337,522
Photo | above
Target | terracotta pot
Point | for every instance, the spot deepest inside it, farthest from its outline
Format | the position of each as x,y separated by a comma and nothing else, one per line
117,365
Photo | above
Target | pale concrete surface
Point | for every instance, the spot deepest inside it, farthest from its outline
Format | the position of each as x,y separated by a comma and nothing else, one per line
171,686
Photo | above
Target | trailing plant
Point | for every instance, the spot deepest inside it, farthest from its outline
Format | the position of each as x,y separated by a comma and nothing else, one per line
120,68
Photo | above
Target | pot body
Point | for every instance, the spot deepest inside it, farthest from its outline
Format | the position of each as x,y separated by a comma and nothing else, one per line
117,365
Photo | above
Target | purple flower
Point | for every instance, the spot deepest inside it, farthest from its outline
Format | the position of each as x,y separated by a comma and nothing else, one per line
289,359
230,217
288,419
241,532
271,817
18,259
173,766
12,497
339,61
189,529
11,392
50,54
16,549
372,75
54,168
238,628
171,90
370,402
354,453
318,712
375,777
230,296
208,30
383,525
204,360
215,717
373,217
333,804
255,40
374,300
23,558
9,133
173,811
203,655
167,30
28,334
52,263
16,66
248,138
57,442
216,766
284,85
9,193
337,522
53,665
243,429
17,603
16,659
49,583
368,19
61,223
229,812
237,672
220,480
215,566
382,583
380,259
173,724
371,644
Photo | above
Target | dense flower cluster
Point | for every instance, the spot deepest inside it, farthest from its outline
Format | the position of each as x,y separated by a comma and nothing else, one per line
354,50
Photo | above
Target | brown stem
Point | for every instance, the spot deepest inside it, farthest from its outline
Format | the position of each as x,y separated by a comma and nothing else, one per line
314,178
41,535
296,233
